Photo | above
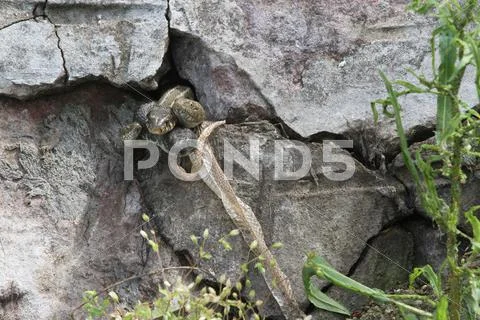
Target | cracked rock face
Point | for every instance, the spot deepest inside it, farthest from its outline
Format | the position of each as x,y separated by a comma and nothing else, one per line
311,61
72,41
30,65
68,221
334,219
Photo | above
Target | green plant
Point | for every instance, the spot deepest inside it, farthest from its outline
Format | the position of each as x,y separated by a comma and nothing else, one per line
456,146
184,299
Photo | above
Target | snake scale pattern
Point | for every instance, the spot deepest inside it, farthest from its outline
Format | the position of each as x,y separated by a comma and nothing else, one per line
245,220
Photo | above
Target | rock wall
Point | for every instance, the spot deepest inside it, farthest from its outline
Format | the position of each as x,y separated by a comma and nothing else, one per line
72,73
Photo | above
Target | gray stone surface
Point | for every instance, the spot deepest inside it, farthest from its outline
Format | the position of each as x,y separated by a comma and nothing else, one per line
333,218
68,221
386,265
308,61
430,243
120,41
31,64
292,55
14,11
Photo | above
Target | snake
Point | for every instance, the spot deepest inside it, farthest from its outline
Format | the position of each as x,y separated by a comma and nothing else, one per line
176,112
175,107
244,219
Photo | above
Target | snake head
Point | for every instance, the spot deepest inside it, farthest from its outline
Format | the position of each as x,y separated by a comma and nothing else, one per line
161,120
131,131
190,113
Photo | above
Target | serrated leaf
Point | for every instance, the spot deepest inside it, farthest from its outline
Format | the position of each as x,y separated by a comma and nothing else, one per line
475,223
472,300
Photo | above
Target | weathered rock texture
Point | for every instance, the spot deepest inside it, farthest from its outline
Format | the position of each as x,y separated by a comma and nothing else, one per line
68,220
70,223
307,61
67,41
430,243
386,265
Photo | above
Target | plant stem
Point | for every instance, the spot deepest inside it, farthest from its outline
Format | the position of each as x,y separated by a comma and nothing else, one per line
413,309
454,275
412,297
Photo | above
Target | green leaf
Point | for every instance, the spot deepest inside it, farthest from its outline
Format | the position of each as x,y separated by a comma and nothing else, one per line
259,266
205,255
448,57
324,302
319,267
428,272
410,86
407,159
475,223
474,47
226,245
472,297
143,311
194,239
450,128
466,60
234,232
441,313
277,245
422,6
154,245
244,267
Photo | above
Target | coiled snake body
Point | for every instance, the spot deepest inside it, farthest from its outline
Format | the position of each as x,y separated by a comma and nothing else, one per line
240,213
176,106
